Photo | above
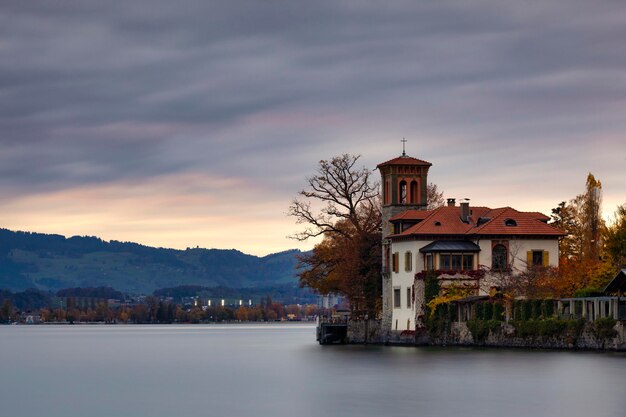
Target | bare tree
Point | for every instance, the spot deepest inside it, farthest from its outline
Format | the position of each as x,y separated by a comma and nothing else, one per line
434,197
346,194
348,259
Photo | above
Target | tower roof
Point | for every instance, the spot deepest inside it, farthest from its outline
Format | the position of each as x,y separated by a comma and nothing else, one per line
404,160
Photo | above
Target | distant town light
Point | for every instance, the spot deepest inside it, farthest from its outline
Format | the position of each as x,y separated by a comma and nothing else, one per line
222,302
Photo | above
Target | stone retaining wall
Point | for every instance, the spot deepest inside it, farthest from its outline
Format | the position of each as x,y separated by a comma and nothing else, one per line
459,334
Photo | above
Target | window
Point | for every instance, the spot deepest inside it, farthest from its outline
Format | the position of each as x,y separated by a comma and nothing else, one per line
414,198
444,262
396,298
510,223
408,261
456,261
498,258
468,262
394,262
537,258
403,192
409,300
430,264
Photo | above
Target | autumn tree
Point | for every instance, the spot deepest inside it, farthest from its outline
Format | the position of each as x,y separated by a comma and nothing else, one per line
583,268
341,204
615,239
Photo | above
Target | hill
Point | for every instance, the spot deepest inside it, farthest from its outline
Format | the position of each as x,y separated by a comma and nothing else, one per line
51,262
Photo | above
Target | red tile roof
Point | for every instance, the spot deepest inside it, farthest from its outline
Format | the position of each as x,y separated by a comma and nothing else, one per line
447,221
404,160
412,215
526,224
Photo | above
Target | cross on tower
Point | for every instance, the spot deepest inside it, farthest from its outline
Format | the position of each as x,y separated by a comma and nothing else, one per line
403,146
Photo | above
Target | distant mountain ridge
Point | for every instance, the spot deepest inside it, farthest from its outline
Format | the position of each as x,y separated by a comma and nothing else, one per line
52,262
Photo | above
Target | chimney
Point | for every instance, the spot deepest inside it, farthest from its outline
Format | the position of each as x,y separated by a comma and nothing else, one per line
451,202
465,211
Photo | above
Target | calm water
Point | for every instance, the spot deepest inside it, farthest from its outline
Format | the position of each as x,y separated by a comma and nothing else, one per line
279,370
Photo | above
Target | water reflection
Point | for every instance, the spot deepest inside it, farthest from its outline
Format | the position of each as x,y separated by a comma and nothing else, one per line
279,370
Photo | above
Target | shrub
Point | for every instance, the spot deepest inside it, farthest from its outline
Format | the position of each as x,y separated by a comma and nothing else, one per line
603,328
548,328
535,308
480,328
498,311
548,308
487,311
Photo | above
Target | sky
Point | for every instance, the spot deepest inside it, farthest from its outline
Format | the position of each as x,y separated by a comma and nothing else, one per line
195,123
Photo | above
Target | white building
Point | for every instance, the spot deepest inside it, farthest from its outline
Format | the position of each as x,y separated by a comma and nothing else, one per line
474,248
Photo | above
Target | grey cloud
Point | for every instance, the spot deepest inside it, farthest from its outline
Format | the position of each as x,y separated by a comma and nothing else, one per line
101,91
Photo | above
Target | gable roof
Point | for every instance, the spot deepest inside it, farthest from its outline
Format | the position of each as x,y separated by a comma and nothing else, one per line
617,284
508,221
404,160
504,221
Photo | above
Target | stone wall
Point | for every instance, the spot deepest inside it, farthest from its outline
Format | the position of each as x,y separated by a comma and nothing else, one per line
366,331
459,334
387,310
505,336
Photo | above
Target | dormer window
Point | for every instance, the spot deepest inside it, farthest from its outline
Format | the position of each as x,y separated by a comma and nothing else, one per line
510,223
437,223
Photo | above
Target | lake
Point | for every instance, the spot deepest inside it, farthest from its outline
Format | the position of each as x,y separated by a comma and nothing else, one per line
279,370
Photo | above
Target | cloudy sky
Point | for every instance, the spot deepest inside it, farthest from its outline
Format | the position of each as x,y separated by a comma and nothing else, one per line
185,123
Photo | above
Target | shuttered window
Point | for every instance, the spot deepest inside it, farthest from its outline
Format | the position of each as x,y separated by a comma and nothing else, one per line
537,258
395,261
408,261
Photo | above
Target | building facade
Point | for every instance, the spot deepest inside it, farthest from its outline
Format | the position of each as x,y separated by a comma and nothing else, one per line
472,249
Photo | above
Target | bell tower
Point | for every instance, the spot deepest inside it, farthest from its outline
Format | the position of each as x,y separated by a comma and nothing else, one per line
404,183
404,187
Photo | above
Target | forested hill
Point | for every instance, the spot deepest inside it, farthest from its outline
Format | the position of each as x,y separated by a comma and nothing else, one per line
52,262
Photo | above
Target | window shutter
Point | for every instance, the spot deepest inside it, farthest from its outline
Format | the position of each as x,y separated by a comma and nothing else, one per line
546,258
529,259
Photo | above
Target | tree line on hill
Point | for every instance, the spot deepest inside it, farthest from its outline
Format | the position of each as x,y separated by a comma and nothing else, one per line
52,262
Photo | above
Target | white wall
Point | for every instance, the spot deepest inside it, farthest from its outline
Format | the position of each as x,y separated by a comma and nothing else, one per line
405,279
517,252
517,257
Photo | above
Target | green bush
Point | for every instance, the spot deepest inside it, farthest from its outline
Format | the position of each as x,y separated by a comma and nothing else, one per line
548,328
478,311
603,328
548,308
526,310
480,328
498,312
431,287
535,308
487,311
